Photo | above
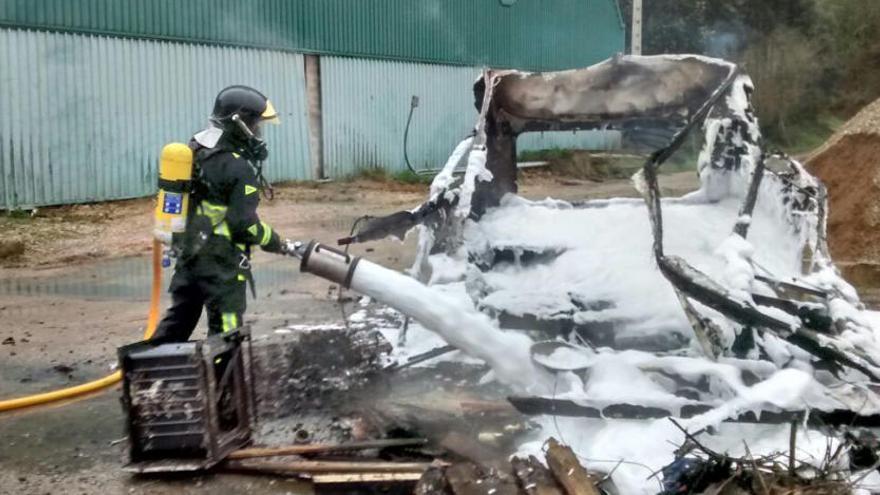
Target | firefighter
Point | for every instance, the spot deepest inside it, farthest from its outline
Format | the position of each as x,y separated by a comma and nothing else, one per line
213,267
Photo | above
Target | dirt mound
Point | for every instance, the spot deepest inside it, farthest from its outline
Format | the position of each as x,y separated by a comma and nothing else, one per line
850,168
867,121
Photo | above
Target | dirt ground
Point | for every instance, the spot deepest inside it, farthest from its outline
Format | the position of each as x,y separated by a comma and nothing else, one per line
80,289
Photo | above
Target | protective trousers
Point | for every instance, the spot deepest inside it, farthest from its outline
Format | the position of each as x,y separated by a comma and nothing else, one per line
223,297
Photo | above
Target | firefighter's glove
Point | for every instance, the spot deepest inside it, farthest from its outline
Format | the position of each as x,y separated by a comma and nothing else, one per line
289,247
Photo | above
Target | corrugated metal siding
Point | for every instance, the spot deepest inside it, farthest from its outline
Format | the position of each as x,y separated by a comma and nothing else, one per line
85,117
530,34
366,103
584,140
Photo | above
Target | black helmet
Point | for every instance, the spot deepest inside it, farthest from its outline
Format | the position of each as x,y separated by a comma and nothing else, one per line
237,105
251,106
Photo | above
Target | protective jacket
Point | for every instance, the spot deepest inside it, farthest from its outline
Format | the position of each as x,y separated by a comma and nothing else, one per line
213,268
226,195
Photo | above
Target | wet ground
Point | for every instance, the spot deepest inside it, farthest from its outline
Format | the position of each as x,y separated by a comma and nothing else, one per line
62,323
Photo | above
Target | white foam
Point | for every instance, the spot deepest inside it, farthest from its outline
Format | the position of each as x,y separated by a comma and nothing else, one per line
457,322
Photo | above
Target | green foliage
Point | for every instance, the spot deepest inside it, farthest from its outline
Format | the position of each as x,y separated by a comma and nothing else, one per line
846,31
847,27
380,174
19,214
808,58
785,68
408,177
805,137
544,155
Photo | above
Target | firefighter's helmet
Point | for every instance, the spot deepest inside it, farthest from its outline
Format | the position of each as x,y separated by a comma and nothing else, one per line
251,106
240,112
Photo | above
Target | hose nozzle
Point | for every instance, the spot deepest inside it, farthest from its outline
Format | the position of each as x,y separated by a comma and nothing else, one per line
326,262
293,248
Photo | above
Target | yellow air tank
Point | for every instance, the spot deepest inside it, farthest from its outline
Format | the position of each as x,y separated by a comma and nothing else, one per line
175,178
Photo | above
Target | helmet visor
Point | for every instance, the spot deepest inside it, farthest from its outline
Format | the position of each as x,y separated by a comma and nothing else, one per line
269,114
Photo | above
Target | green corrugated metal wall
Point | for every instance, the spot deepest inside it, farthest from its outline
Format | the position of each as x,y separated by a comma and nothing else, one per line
530,34
83,118
91,89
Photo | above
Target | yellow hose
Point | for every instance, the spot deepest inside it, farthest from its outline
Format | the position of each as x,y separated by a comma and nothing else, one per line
111,379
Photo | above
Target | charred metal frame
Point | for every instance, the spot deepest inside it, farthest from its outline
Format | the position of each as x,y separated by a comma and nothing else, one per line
187,405
623,93
516,103
691,283
674,94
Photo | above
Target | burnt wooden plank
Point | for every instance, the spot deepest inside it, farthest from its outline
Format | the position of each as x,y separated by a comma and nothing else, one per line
324,448
568,471
311,467
534,478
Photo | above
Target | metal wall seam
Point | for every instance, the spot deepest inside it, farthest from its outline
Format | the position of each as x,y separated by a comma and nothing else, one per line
365,104
587,140
86,116
5,138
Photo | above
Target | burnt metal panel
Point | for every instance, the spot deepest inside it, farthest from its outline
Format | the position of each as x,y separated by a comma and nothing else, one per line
527,34
85,117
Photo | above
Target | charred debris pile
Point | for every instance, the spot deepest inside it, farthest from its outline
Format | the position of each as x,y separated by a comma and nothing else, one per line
721,309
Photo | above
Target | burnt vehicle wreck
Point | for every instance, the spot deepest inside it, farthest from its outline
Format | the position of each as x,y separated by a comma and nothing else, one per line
709,303
522,322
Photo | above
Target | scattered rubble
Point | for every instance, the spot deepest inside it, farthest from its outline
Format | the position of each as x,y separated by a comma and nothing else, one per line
309,371
452,475
699,469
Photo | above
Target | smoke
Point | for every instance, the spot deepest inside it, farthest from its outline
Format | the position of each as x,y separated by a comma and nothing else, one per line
724,39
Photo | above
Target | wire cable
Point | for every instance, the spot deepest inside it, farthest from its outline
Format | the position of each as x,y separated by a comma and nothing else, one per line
412,107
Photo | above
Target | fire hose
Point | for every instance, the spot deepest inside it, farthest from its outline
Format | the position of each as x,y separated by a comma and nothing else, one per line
111,379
